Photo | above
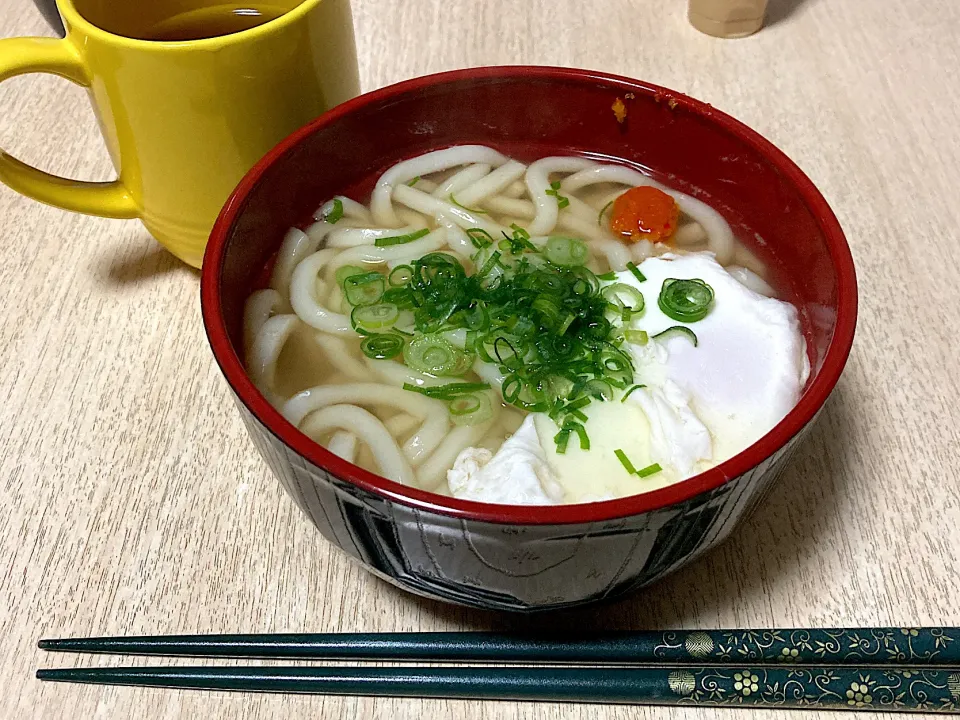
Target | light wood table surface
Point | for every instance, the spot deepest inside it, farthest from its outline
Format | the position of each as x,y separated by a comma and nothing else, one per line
132,502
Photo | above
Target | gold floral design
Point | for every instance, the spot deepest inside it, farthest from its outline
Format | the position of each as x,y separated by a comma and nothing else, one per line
859,695
789,654
746,683
778,686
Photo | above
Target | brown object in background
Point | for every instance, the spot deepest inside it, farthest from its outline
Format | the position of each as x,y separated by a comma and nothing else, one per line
727,18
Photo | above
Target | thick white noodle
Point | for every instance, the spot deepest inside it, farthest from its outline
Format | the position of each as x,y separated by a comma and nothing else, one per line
396,374
266,349
510,206
343,444
436,419
425,184
720,236
304,291
381,205
339,355
351,209
377,255
460,180
391,462
750,280
690,234
296,246
434,471
538,182
580,209
434,207
492,184
745,258
402,424
457,239
641,250
260,307
351,237
515,189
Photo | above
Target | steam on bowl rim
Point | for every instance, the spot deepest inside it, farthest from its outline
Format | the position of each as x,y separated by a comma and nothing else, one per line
810,403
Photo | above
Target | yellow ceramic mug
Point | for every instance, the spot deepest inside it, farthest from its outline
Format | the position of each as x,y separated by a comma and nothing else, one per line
183,121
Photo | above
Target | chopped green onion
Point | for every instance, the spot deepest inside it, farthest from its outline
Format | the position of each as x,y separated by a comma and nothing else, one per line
554,190
480,238
649,470
400,276
491,263
401,239
431,354
446,392
581,433
615,294
473,210
465,404
685,300
599,389
414,181
334,213
605,208
677,330
636,272
637,337
365,289
347,271
621,456
566,251
381,346
630,391
607,276
399,296
561,439
374,317
471,409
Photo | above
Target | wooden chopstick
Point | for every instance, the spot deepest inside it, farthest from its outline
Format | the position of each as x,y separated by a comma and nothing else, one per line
901,647
849,688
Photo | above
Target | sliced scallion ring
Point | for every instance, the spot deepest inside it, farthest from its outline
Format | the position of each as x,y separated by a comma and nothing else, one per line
374,317
623,297
685,300
364,289
566,251
432,354
471,409
382,346
400,276
347,271
675,331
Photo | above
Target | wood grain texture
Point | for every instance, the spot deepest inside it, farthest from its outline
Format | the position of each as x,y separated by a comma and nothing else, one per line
132,501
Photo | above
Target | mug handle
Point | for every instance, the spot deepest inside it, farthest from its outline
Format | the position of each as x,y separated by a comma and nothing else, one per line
19,56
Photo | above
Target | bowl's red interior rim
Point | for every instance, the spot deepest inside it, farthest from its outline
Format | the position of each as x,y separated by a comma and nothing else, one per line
805,410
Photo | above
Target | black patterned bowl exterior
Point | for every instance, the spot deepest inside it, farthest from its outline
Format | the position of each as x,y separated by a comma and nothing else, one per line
511,557
507,567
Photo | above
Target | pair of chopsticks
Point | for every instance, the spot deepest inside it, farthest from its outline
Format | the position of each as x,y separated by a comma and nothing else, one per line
897,669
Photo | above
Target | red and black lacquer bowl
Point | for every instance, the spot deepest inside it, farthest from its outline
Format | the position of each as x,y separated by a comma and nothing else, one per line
513,557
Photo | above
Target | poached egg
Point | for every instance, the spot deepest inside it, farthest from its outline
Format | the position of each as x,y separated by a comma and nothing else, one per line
700,405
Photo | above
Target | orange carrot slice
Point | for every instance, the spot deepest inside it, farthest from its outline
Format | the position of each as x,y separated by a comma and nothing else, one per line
644,213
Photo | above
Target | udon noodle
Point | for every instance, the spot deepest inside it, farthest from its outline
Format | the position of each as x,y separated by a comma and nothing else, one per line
303,347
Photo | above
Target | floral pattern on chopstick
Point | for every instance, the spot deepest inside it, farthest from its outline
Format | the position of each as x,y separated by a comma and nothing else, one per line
882,646
838,688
